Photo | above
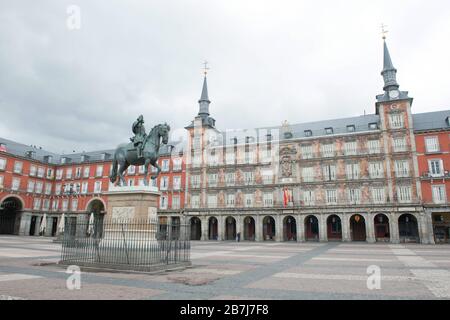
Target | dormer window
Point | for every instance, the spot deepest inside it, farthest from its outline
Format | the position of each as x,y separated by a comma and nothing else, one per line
308,133
373,126
31,154
447,121
48,159
105,156
65,160
269,137
351,128
329,130
84,158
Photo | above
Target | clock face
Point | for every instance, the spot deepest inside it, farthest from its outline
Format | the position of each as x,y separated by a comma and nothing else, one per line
393,94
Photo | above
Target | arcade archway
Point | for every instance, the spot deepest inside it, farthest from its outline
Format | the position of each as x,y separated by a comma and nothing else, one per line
212,228
290,229
196,228
230,228
408,228
249,229
311,228
9,215
269,228
334,228
358,228
382,232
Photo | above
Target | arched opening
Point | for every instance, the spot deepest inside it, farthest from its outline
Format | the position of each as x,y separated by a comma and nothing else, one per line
212,228
249,229
311,228
97,207
269,228
358,228
334,228
196,228
408,228
441,227
382,232
230,228
9,215
290,229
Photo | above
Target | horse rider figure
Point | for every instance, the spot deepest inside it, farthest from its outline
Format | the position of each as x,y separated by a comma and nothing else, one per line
140,135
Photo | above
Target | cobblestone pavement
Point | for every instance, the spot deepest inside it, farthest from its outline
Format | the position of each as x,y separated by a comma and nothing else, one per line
245,270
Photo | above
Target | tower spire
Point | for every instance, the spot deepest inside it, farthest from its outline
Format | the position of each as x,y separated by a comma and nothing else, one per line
204,99
389,73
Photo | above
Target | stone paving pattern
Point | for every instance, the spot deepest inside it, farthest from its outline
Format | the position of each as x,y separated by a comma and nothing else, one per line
245,270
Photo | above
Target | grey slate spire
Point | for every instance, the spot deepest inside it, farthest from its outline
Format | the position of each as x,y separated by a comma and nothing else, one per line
204,100
389,73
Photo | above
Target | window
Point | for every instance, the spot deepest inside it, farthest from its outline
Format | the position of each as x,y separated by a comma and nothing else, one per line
176,183
351,128
399,144
49,173
59,174
55,205
176,202
248,201
308,174
248,177
165,165
99,170
404,194
308,197
308,133
352,170
436,167
40,172
197,160
212,179
69,173
268,199
432,144
163,202
164,183
130,182
18,166
378,195
230,177
141,169
307,152
439,194
78,173
36,204
2,164
195,181
329,130
58,189
2,179
350,148
46,205
230,157
84,188
131,169
327,150
266,156
213,159
98,186
39,186
331,196
373,126
176,164
249,157
212,201
267,176
376,170
74,206
373,146
396,120
354,196
329,172
33,170
48,188
30,186
401,168
195,201
65,205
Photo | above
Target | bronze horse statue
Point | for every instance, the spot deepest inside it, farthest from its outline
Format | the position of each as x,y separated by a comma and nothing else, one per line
126,154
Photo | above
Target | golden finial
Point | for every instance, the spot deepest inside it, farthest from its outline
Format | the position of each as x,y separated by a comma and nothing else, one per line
205,68
384,31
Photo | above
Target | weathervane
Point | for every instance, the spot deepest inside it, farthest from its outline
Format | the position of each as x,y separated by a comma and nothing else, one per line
384,31
205,68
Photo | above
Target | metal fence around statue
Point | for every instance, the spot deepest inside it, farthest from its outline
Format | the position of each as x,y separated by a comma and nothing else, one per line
126,244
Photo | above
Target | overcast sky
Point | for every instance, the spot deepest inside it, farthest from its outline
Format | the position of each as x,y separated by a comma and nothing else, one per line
269,61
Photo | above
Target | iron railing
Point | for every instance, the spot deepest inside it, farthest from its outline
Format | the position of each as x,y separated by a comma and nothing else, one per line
142,245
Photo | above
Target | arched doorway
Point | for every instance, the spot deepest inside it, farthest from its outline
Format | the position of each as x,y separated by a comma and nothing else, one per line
311,228
290,229
358,228
269,228
212,228
230,228
196,228
97,207
249,229
334,228
382,232
9,215
408,228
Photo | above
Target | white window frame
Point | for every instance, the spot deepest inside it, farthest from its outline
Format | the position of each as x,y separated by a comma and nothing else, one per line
307,151
401,168
399,144
397,121
404,194
376,170
432,144
351,148
352,171
331,196
308,174
3,163
329,172
99,170
439,194
328,150
30,186
33,170
378,195
212,201
18,166
436,171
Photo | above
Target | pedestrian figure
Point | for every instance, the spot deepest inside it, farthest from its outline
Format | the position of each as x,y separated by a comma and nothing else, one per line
238,237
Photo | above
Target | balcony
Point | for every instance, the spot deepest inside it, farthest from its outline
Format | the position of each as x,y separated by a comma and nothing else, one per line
430,176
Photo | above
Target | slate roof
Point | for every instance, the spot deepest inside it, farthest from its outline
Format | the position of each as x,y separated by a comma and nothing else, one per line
431,120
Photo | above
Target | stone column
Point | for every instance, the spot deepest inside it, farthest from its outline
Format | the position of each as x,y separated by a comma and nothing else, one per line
393,228
279,228
239,227
220,228
345,222
48,227
370,228
323,234
258,228
426,237
300,228
24,228
204,228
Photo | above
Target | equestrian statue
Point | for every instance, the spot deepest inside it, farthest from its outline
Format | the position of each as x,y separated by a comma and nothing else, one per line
143,150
